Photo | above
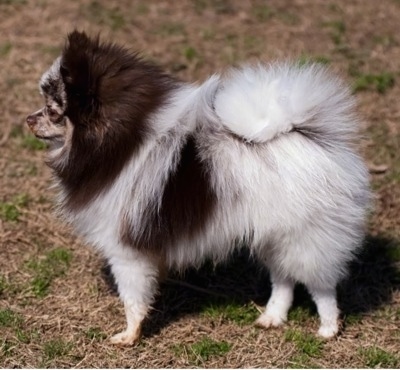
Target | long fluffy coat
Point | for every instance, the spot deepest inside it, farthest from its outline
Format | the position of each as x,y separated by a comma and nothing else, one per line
158,173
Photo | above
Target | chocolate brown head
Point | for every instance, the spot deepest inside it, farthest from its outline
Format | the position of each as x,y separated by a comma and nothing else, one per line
98,97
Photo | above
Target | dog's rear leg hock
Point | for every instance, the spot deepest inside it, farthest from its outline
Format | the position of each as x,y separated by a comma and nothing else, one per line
325,300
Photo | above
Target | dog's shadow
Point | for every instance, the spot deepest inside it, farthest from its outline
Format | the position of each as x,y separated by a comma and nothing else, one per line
373,278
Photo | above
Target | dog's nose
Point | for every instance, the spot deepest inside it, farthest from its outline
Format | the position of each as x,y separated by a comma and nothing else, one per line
31,120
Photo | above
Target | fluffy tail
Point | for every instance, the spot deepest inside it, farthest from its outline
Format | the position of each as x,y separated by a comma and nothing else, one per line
259,103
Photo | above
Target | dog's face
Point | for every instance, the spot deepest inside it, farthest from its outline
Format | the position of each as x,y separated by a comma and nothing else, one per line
50,123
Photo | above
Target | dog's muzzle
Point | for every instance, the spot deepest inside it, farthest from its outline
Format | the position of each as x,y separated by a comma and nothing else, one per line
32,119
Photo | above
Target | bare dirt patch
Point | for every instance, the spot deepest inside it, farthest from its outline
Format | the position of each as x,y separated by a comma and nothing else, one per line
57,305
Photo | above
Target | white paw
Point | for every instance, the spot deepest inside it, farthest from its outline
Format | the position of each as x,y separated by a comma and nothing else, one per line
328,331
267,320
125,338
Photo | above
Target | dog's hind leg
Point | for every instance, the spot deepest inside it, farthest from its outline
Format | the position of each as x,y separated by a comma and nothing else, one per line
325,300
279,303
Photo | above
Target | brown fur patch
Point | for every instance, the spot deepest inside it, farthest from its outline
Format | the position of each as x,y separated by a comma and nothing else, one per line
188,202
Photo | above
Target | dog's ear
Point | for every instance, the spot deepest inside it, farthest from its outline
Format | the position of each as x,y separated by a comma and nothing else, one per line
76,63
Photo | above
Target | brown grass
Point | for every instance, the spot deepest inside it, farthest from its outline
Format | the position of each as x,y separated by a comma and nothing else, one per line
57,308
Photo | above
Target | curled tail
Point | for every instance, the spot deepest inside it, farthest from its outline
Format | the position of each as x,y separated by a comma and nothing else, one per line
259,103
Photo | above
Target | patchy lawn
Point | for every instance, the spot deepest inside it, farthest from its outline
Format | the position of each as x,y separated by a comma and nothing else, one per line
57,302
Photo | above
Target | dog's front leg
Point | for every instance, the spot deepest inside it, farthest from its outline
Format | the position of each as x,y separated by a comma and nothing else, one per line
134,317
136,275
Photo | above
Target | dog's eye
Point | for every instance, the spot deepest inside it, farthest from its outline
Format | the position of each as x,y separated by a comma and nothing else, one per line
54,116
51,112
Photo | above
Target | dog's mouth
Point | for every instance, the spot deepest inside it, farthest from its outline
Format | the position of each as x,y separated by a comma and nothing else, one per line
54,142
45,138
49,138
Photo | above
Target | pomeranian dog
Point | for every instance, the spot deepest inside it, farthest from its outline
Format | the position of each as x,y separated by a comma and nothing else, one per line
159,174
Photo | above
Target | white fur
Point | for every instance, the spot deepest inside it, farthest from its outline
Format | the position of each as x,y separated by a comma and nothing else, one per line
52,73
279,303
301,203
260,106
